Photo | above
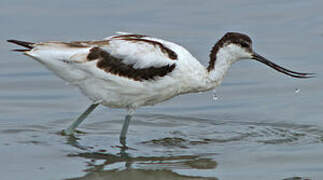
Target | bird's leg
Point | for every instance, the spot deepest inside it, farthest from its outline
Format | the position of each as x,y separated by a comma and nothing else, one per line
125,128
78,121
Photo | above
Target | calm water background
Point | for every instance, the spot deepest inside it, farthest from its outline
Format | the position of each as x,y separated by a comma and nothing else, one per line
259,128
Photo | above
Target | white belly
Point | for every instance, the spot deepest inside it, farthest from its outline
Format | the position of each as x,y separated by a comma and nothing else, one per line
120,95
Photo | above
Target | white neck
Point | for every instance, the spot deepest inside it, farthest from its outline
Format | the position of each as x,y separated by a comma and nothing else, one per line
224,59
213,76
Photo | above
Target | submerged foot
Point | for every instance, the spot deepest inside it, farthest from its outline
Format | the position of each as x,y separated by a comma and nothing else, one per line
68,132
123,142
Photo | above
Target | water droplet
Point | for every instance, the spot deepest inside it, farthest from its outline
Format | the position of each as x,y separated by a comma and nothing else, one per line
297,90
214,96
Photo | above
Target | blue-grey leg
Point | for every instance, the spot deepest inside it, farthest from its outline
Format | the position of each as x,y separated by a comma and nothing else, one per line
78,121
125,128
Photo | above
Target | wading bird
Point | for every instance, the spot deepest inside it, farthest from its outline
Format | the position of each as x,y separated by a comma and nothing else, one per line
132,70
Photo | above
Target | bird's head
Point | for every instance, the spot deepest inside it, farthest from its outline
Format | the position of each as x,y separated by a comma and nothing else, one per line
235,46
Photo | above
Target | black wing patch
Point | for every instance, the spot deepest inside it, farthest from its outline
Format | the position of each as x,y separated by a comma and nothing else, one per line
139,38
114,65
170,53
130,36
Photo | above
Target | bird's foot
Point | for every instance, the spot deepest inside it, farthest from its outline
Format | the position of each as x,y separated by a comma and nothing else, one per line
123,142
123,146
69,132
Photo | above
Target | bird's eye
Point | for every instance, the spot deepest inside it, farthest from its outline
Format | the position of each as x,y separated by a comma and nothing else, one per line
244,44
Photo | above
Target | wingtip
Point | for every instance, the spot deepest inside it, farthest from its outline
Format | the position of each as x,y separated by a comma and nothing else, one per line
20,50
25,44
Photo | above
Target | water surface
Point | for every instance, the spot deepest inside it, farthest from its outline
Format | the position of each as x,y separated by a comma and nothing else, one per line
258,128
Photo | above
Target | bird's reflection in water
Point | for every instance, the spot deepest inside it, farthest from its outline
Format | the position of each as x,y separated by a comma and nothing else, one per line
103,165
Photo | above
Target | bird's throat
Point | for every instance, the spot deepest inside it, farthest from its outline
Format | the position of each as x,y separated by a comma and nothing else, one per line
222,62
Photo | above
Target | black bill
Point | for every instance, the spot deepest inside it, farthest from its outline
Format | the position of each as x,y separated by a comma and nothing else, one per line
281,69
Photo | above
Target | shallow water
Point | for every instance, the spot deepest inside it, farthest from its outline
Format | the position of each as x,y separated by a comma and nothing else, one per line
263,124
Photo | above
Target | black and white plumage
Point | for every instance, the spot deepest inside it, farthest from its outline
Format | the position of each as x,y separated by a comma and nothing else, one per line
131,70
